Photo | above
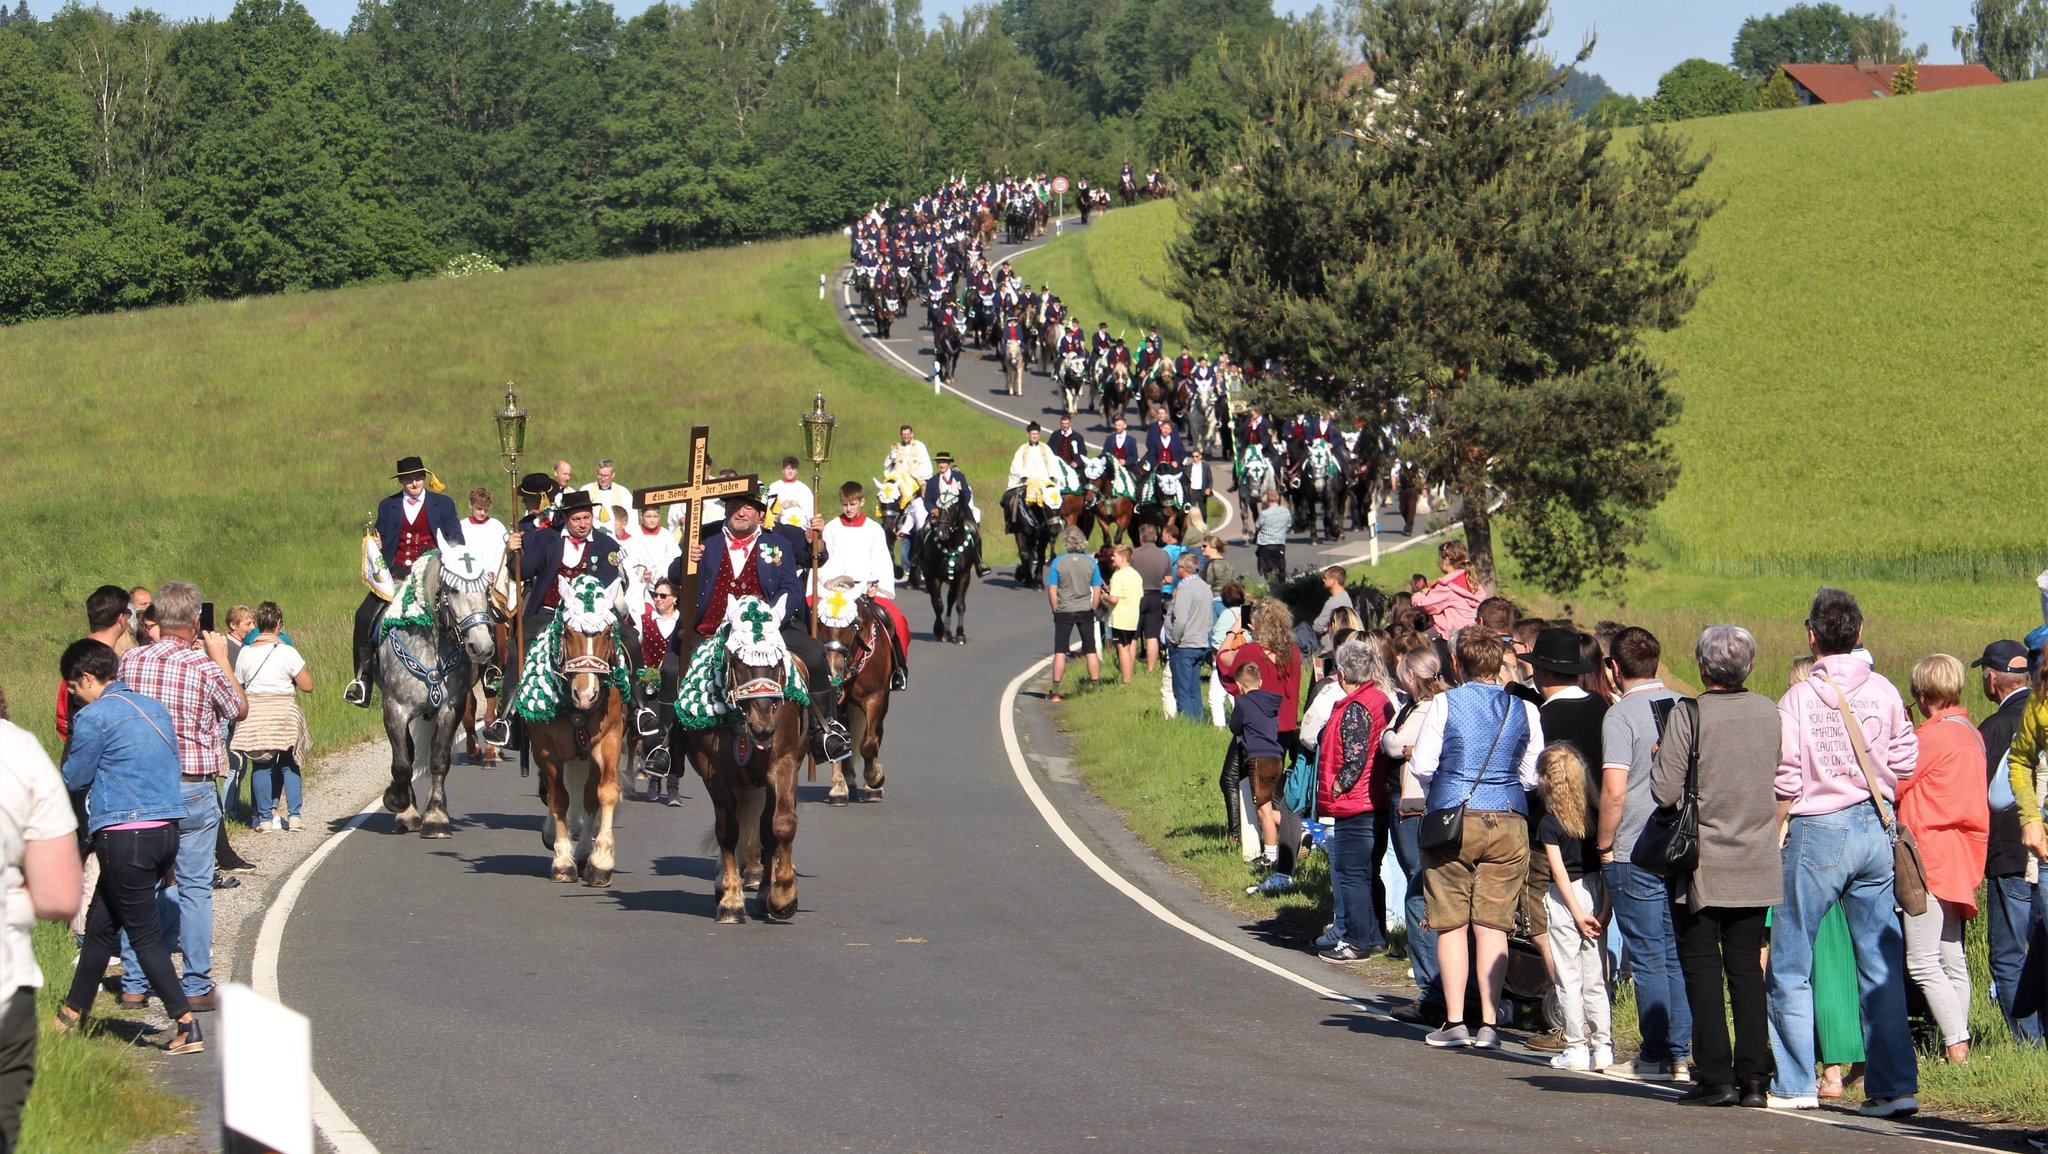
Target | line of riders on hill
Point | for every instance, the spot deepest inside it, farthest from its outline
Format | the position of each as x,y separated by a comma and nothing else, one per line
936,250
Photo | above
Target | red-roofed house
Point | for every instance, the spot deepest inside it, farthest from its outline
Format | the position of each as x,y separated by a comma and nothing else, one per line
1839,83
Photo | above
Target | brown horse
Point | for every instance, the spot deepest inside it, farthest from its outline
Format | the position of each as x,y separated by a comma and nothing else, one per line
862,660
739,764
479,708
578,753
1110,511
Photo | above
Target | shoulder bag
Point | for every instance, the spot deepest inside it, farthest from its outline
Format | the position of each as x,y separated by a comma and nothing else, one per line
1669,845
1909,873
1442,830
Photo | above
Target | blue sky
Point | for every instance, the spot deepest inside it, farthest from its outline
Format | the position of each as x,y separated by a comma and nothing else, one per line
1638,39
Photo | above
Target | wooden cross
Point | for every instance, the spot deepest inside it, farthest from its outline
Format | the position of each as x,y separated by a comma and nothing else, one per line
694,492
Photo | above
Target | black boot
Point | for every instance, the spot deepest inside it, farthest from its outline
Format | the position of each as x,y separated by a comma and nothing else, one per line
1233,807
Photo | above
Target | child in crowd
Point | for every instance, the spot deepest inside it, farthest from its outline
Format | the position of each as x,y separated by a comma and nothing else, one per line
1577,905
1452,601
1126,592
1255,721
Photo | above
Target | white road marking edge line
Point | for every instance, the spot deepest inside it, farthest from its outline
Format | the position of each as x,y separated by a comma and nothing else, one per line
329,1119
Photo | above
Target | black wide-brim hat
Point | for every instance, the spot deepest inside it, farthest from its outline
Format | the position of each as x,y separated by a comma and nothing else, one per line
574,500
536,485
408,466
1557,651
750,497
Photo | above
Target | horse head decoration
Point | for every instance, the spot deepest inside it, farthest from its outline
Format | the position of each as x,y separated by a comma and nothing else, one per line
756,663
464,603
589,642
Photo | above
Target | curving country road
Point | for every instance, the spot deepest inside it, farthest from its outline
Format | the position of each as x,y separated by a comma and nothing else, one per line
957,979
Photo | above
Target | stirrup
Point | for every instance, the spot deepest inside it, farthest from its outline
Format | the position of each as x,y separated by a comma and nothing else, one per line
656,763
357,693
833,740
646,723
497,732
899,678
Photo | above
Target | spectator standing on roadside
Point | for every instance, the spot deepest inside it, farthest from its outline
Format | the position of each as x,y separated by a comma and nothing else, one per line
188,673
1125,596
1477,749
1576,921
1187,630
141,618
107,621
1421,679
1309,635
1836,848
2029,742
1228,629
1073,586
1642,901
1452,600
2008,883
1726,736
1347,787
1951,821
1217,568
1569,714
1272,648
126,756
1153,568
273,740
39,862
1269,539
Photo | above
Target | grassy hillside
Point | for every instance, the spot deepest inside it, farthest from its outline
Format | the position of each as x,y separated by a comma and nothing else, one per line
1857,379
242,444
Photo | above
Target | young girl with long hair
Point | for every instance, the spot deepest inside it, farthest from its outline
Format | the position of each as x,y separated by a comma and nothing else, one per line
1577,905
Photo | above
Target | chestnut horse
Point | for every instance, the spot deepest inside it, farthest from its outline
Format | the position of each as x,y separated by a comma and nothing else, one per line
862,661
749,769
578,753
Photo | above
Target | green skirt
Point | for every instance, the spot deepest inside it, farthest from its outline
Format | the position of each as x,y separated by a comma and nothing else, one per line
1837,992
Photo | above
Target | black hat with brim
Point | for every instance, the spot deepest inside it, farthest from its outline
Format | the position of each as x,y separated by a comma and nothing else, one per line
750,497
408,467
1557,651
575,500
942,458
536,485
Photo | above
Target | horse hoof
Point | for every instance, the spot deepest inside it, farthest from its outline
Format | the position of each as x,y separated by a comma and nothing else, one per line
407,823
751,885
562,873
835,799
775,913
597,878
436,830
731,917
872,793
397,802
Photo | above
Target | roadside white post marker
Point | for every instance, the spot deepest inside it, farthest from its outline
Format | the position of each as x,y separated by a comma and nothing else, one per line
266,1075
821,286
937,383
1375,539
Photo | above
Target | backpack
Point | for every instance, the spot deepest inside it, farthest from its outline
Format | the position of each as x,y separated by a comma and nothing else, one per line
1298,789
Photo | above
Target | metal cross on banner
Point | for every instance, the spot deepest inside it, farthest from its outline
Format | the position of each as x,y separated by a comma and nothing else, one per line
694,492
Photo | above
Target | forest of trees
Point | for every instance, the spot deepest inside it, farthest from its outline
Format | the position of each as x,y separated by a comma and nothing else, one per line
144,161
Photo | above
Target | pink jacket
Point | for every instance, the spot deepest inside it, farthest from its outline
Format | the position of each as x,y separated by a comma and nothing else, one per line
1817,768
1451,603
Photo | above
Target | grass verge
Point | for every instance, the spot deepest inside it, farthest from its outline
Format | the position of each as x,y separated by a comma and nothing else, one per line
94,1093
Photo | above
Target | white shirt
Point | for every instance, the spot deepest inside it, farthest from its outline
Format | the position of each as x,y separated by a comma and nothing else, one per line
794,496
860,552
617,494
485,540
33,807
1033,463
913,459
268,668
1429,744
736,552
410,506
650,551
572,556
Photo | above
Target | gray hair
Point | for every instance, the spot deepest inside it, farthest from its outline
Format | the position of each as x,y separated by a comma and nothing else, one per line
1726,654
1359,663
606,464
1188,563
177,605
1072,540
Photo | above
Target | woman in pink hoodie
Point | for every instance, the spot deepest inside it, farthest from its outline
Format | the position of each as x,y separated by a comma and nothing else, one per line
1452,601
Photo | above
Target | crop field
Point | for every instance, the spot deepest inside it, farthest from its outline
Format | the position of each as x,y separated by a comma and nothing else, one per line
242,444
1858,378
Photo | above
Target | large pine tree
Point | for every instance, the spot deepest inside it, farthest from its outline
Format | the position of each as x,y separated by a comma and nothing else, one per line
1446,242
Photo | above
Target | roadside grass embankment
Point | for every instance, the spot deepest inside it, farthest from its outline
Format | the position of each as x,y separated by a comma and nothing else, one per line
242,444
93,1093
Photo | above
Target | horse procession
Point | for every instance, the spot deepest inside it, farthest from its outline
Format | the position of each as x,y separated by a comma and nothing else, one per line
1193,406
744,637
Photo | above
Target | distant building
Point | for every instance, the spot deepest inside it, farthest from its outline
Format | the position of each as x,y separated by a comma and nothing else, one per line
1841,83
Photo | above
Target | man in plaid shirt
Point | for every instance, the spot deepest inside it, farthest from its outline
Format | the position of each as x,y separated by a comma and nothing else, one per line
189,673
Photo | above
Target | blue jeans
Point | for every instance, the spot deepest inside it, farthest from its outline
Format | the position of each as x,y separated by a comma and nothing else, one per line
1186,662
2009,913
1842,856
1421,939
269,782
192,928
1642,911
1351,855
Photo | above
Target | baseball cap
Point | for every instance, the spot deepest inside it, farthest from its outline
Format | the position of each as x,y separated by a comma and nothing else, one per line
2003,657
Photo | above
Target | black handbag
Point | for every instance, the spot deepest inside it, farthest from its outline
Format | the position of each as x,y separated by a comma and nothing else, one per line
1669,845
1443,830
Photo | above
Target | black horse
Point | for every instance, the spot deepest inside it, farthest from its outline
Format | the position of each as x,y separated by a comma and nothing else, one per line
1034,528
947,555
946,345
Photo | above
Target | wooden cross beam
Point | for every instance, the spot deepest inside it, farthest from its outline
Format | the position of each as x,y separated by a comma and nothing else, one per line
694,492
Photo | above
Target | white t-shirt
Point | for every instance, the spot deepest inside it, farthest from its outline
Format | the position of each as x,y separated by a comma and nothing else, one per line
268,668
33,807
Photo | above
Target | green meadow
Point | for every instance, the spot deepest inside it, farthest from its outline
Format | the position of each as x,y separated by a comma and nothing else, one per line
242,444
1858,377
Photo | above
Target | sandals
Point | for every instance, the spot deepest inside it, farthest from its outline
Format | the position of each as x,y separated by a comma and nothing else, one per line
68,1020
189,1039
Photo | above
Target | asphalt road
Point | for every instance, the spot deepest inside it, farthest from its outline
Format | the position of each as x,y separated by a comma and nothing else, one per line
956,979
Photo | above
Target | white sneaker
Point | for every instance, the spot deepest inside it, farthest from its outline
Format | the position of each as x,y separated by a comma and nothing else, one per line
1794,1102
1897,1107
295,823
1681,1072
1572,1058
1603,1057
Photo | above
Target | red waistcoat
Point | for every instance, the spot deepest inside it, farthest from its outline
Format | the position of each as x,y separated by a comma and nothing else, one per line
728,586
415,537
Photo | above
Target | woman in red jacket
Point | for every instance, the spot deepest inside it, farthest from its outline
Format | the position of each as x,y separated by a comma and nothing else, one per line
1271,648
1345,786
1945,805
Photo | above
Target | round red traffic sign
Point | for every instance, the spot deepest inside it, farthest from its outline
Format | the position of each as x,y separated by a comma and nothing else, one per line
1059,184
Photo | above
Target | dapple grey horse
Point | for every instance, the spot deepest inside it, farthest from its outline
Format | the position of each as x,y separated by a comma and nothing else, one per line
426,672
